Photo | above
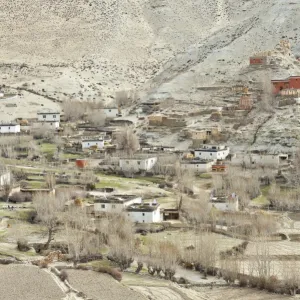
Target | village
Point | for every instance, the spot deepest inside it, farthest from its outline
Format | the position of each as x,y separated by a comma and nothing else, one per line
159,187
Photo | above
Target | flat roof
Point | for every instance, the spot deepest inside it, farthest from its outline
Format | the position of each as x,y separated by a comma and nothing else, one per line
116,199
195,162
147,207
137,158
9,124
47,111
211,150
93,140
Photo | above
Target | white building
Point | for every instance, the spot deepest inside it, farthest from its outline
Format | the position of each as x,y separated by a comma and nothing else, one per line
47,125
134,164
144,213
198,166
111,112
48,115
96,142
254,160
9,128
209,152
225,204
115,203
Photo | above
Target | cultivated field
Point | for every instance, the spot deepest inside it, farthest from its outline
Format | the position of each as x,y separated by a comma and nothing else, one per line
28,283
101,286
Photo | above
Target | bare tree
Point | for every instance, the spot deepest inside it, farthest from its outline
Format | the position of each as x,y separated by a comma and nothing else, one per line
163,257
128,141
97,118
291,276
43,132
88,179
184,178
117,231
261,264
81,239
50,180
122,98
74,110
7,184
49,211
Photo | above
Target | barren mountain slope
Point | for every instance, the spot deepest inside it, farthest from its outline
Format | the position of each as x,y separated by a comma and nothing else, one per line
125,43
247,27
89,49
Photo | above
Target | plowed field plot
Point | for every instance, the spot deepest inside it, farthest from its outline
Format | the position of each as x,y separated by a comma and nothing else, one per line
28,283
101,286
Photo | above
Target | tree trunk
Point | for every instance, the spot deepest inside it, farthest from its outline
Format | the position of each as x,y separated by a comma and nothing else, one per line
50,238
139,267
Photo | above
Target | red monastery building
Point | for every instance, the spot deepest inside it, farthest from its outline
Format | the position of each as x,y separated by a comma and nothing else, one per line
293,82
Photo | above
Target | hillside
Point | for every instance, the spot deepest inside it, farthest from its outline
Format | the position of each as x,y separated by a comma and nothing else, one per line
163,48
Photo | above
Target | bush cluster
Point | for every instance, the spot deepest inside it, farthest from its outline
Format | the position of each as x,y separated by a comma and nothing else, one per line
117,275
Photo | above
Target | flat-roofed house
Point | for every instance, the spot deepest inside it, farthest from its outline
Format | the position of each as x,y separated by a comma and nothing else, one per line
211,152
10,127
115,203
144,212
137,164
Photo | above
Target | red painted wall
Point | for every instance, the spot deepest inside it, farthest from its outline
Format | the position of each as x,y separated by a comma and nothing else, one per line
256,61
280,85
294,83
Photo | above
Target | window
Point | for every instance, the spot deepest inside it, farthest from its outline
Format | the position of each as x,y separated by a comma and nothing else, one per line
102,205
210,154
113,206
127,162
143,221
138,162
8,127
44,116
54,116
143,214
109,110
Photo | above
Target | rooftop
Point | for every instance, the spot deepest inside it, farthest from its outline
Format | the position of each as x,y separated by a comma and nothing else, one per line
9,124
138,157
210,148
147,207
195,162
47,111
116,199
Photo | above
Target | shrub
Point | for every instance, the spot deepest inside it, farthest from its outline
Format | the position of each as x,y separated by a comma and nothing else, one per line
253,282
63,276
117,275
272,283
262,282
18,197
43,264
243,282
22,245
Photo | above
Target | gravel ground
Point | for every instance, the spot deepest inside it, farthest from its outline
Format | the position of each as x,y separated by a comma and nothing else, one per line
101,286
20,282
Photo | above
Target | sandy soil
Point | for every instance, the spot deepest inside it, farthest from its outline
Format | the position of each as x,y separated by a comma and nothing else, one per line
221,293
101,286
27,283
